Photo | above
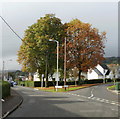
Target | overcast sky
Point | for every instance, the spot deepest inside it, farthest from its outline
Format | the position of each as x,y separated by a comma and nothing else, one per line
20,15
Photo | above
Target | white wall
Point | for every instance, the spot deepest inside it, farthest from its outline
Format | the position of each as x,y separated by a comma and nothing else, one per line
36,78
92,75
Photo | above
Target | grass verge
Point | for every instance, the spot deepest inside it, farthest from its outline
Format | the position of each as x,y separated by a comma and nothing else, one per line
111,87
71,88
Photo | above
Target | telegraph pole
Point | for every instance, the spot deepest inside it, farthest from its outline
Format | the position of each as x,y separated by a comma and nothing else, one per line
3,70
65,63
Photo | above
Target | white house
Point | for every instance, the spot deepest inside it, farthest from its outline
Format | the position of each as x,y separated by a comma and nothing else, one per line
99,72
36,77
115,71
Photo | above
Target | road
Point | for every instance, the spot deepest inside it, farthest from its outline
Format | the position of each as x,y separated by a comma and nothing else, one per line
95,101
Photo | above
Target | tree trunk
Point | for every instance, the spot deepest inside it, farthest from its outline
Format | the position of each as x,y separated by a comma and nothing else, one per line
79,78
46,82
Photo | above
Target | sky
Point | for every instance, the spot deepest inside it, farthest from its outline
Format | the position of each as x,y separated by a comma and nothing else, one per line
20,15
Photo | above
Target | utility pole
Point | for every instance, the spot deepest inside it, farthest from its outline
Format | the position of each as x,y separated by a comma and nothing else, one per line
65,63
57,62
3,70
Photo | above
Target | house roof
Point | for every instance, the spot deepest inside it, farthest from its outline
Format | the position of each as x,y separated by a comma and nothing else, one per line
104,66
107,73
98,72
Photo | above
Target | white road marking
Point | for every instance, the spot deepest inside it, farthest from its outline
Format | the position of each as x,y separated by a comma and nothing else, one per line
93,98
36,89
53,99
101,101
96,98
113,103
36,95
91,94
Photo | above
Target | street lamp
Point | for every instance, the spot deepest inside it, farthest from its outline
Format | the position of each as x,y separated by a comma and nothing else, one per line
57,77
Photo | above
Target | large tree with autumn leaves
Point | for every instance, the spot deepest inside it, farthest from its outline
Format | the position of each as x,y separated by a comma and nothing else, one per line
85,46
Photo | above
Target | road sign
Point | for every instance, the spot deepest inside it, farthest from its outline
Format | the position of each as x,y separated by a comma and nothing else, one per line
57,79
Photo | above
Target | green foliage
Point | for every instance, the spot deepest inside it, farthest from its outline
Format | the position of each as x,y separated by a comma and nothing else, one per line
111,60
26,83
4,89
36,51
117,86
111,87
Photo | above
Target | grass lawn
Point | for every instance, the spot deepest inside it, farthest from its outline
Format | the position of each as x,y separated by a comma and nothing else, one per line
71,88
111,87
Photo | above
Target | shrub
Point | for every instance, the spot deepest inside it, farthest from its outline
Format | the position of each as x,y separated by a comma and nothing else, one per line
5,89
93,81
26,83
38,83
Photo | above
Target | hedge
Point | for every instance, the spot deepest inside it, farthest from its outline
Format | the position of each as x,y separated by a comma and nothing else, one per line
5,89
26,83
53,83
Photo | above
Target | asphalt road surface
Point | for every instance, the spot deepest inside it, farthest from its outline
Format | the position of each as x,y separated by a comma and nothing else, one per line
95,101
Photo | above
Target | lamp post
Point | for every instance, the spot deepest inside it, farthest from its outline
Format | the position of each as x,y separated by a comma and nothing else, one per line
57,77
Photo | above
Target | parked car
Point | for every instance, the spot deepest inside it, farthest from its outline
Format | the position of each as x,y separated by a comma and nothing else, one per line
14,83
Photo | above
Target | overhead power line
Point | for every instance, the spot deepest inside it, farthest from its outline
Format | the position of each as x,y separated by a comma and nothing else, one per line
11,28
15,32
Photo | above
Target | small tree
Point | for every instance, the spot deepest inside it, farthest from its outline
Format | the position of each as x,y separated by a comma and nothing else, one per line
114,70
75,74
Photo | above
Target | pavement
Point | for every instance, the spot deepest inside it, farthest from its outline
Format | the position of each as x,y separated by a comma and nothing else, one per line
11,103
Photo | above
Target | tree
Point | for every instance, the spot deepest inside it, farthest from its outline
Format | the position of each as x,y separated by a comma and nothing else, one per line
36,52
85,46
115,71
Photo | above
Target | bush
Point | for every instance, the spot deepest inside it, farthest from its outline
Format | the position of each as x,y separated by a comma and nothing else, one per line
70,83
26,83
5,89
53,83
93,81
